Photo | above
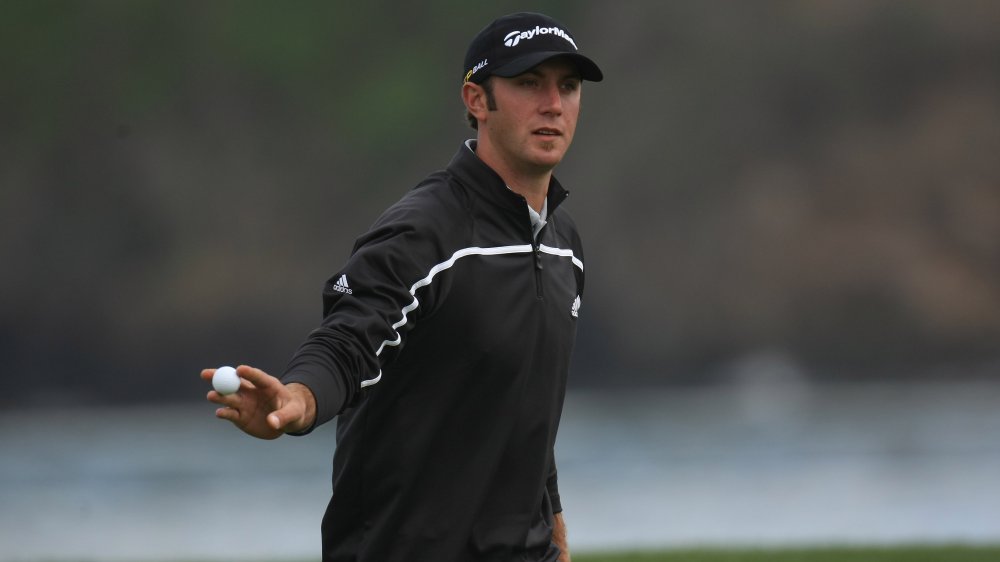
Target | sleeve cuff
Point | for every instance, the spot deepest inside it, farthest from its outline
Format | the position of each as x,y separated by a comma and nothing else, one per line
326,390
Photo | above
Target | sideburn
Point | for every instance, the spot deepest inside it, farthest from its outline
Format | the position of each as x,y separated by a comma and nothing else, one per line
491,100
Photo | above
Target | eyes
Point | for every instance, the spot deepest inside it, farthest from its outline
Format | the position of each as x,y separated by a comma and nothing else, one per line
568,85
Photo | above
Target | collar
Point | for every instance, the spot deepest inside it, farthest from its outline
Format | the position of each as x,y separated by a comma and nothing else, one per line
538,218
474,173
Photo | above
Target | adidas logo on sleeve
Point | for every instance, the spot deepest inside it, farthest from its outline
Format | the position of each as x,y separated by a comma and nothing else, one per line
342,286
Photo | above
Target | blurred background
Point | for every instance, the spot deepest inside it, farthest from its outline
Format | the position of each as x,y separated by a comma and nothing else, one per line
791,212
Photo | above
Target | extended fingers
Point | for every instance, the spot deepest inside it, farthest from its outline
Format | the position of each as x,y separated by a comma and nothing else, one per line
223,399
229,414
256,377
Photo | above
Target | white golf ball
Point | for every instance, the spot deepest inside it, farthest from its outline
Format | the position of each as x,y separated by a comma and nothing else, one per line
225,380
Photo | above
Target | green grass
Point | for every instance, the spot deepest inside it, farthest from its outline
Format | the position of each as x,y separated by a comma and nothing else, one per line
905,553
831,554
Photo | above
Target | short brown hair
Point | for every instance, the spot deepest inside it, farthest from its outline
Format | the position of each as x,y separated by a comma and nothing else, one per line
491,103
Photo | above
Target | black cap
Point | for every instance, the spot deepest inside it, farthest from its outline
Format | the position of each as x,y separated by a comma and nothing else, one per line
518,42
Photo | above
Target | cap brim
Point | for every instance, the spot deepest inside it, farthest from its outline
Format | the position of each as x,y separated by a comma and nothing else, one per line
588,68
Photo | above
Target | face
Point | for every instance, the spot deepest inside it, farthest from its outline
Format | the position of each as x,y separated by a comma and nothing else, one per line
535,116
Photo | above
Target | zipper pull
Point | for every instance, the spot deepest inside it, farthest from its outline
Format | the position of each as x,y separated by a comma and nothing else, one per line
538,258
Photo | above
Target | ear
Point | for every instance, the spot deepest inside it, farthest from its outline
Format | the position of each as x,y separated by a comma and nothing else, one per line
474,97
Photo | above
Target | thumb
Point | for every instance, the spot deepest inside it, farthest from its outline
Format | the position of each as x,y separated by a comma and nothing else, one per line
288,416
274,420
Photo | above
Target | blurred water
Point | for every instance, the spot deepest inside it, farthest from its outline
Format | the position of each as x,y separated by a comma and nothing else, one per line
751,463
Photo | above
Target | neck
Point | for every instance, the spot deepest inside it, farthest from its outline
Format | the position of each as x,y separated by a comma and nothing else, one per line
533,189
532,183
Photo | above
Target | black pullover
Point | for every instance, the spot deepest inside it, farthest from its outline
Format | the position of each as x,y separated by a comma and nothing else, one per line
445,349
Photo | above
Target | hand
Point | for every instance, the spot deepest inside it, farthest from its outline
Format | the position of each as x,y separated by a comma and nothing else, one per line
559,537
264,407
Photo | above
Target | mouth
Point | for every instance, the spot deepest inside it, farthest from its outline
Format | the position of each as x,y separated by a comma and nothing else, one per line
547,132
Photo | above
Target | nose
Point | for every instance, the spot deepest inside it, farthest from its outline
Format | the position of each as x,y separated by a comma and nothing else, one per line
551,102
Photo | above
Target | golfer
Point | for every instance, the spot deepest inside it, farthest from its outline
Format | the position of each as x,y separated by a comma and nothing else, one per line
447,335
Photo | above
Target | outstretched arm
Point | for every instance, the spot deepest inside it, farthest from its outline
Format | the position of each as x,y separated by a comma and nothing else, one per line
264,407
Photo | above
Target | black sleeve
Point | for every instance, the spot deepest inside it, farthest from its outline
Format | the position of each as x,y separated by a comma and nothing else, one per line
368,307
552,485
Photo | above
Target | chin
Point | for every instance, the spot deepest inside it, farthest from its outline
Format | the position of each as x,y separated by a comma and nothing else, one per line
549,156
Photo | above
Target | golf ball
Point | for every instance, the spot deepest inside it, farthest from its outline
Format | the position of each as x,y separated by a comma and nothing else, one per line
225,380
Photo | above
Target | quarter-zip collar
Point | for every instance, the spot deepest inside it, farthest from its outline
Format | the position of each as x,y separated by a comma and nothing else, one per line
475,174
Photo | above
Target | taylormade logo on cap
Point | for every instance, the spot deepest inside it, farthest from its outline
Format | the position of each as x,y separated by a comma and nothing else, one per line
515,43
514,37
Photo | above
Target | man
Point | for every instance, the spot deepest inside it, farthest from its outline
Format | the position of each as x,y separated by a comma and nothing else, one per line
447,336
